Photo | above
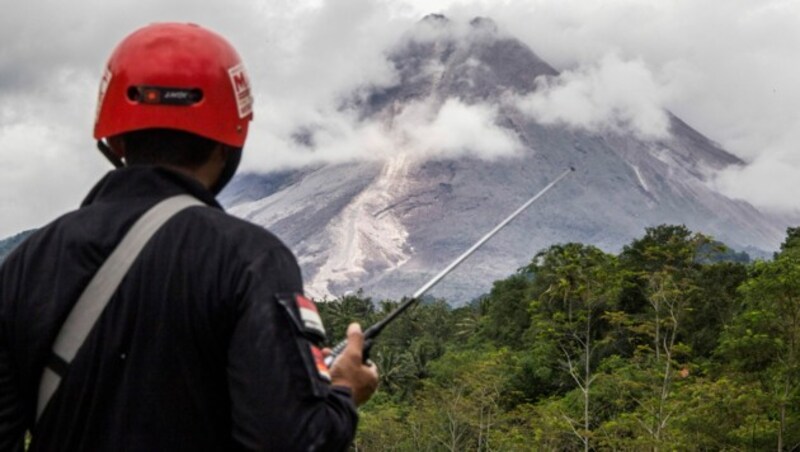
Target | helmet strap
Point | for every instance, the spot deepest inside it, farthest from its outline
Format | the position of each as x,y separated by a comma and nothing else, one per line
110,155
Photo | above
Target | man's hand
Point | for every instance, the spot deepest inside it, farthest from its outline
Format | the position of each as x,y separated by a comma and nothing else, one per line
349,369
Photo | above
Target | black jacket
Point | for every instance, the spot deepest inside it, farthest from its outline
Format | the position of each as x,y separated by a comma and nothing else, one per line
192,352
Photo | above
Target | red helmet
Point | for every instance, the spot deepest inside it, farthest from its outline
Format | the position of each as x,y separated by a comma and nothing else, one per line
175,76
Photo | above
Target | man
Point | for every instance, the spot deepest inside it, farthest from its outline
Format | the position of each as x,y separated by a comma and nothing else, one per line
206,343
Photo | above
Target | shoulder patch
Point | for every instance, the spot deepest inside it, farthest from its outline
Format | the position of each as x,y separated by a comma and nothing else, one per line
309,314
319,360
309,335
305,315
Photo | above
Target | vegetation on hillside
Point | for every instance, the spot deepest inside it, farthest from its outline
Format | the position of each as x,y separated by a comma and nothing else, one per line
673,344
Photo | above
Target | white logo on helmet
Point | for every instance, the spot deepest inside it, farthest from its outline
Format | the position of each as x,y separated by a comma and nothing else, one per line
101,94
241,90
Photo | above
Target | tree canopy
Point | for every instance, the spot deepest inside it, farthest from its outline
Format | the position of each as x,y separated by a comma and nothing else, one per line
676,343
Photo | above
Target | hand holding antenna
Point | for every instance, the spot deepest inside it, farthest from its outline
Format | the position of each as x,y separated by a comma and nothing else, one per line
350,370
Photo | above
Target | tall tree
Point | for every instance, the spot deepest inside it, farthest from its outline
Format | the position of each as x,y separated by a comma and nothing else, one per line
764,341
577,284
661,272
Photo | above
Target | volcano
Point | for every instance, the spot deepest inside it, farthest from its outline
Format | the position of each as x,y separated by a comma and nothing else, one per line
388,225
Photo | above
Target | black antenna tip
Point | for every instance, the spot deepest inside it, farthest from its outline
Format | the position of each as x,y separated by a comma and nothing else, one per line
572,168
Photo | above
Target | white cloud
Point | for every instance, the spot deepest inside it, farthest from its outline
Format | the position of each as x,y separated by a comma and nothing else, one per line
326,63
40,180
731,66
769,182
610,95
422,128
48,161
456,129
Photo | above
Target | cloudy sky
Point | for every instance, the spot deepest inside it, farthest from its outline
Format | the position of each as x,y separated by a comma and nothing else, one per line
730,68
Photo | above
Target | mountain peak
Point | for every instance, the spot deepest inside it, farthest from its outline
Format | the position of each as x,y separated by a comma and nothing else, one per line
471,61
484,24
477,23
435,19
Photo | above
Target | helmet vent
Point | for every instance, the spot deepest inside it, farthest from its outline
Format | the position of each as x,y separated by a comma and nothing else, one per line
159,95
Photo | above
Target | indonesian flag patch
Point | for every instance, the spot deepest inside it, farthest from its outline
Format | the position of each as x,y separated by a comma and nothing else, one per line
309,315
310,332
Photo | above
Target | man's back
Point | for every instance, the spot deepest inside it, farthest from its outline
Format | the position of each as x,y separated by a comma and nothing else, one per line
193,352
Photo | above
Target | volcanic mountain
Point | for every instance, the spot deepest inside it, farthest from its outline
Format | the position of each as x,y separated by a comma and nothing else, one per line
387,225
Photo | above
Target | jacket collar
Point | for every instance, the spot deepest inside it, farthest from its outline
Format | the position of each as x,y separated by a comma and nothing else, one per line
143,182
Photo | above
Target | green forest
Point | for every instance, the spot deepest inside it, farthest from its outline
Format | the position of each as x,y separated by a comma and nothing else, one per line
675,343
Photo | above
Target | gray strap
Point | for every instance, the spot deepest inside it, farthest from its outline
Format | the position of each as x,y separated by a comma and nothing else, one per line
95,297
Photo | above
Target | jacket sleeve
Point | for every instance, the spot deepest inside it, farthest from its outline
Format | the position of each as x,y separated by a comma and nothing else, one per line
278,401
12,431
12,427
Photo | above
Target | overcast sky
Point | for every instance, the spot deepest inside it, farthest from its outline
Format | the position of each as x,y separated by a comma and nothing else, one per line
730,68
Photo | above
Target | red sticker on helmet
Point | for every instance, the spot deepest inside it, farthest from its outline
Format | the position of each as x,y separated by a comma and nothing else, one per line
241,90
